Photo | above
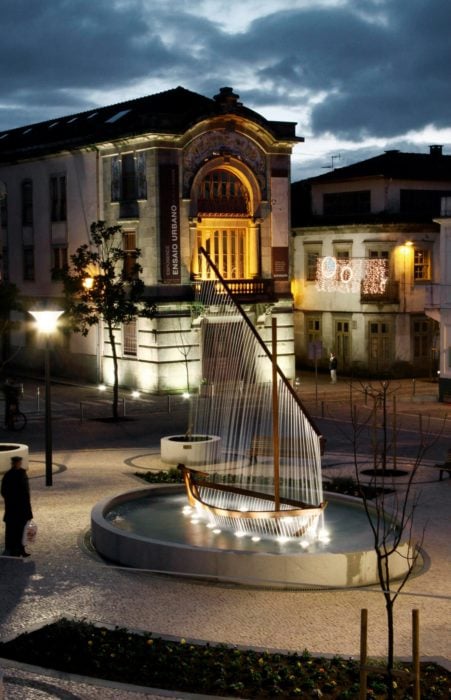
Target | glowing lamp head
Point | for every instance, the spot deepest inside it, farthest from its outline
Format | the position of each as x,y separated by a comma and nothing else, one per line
46,320
88,283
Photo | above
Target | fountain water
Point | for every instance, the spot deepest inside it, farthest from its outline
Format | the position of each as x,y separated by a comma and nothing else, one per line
255,411
266,484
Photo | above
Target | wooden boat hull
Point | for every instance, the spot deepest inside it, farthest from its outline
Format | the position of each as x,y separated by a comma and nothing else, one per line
292,519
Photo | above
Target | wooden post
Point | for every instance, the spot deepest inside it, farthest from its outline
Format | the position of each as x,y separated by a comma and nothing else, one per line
394,434
275,415
375,433
363,652
416,653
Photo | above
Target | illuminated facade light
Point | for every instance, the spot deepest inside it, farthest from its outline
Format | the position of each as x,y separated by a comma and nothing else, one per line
352,276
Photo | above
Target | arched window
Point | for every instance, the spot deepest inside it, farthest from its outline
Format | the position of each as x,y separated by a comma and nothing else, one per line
225,226
221,193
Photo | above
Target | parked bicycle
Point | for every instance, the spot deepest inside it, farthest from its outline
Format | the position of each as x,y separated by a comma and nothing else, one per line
16,420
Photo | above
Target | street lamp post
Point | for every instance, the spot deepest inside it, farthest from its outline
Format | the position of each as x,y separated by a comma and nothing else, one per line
46,322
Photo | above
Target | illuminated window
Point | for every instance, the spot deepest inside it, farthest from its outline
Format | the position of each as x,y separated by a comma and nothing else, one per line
130,261
311,264
225,247
129,338
222,193
225,229
421,264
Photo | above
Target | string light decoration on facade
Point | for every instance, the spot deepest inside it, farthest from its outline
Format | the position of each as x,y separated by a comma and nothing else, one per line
351,275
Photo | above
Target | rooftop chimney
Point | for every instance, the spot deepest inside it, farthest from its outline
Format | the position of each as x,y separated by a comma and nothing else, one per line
227,99
435,151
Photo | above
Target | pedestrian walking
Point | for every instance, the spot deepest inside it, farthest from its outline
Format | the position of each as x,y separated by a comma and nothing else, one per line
15,490
333,362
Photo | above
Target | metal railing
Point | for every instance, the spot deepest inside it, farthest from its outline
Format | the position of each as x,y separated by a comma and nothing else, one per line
389,295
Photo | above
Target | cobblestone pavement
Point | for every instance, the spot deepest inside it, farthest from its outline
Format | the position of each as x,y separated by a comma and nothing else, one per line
94,459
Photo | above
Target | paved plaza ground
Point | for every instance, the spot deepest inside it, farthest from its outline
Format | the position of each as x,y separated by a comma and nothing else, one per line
94,459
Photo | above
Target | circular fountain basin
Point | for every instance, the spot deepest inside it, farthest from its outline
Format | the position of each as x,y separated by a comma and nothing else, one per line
147,529
12,449
190,451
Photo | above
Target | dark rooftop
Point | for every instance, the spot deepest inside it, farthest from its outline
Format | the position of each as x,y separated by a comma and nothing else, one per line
169,112
394,164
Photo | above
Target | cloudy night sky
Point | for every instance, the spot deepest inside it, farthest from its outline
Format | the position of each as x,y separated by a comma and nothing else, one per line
357,76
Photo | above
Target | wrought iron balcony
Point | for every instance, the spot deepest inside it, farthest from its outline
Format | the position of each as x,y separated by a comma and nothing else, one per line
389,295
261,289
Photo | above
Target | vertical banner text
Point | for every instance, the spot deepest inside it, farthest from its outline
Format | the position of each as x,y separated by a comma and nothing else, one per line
169,224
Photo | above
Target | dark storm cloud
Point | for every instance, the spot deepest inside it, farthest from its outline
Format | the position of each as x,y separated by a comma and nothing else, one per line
58,51
75,44
380,66
385,71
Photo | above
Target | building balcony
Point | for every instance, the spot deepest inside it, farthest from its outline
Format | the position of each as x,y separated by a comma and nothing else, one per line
250,290
388,295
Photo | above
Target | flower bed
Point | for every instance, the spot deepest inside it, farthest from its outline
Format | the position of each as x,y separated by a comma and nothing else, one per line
122,656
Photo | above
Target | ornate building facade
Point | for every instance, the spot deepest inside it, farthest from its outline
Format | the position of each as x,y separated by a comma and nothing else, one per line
178,171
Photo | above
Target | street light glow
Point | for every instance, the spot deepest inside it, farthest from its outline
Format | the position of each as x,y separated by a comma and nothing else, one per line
46,320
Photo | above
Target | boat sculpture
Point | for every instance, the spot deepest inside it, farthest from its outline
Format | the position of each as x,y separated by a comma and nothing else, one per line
268,483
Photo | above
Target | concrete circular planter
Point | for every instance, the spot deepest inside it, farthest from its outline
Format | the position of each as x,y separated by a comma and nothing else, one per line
12,449
191,451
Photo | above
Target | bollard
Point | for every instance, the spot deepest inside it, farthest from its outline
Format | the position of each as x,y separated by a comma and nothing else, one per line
416,653
363,653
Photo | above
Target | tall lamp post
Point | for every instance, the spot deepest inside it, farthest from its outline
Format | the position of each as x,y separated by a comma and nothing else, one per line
47,322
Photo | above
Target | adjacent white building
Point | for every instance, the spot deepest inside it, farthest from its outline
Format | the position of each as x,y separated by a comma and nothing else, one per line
439,302
364,259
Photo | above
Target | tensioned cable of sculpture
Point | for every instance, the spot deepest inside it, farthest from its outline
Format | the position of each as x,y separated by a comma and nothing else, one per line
266,480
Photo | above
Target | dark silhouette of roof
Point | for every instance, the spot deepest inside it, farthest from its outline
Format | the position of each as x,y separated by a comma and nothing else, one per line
395,165
169,112
391,165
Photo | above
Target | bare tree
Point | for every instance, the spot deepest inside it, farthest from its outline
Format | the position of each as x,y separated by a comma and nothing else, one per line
391,512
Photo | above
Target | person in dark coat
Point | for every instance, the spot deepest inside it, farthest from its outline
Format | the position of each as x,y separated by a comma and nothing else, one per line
16,493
